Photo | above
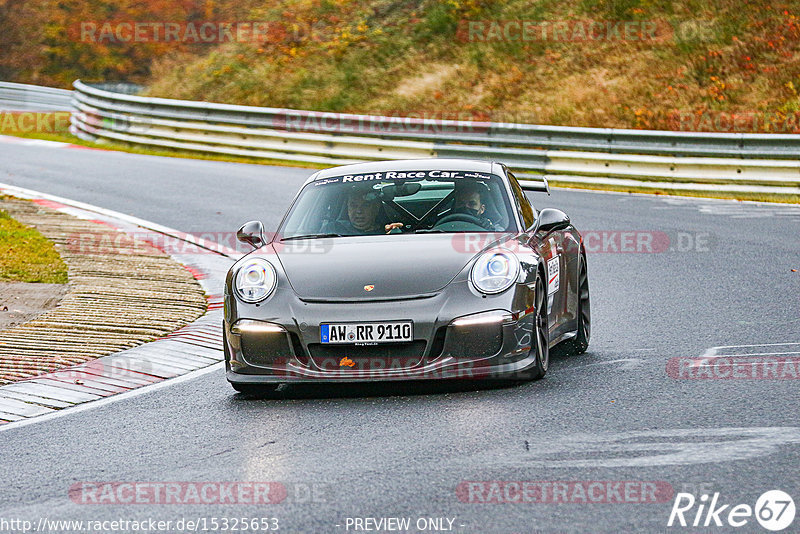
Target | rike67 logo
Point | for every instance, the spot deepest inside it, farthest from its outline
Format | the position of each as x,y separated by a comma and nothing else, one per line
774,510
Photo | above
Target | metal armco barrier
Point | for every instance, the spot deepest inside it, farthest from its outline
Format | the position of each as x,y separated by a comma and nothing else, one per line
23,97
761,163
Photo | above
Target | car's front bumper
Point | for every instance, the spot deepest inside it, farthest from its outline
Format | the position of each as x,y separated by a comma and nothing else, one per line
492,342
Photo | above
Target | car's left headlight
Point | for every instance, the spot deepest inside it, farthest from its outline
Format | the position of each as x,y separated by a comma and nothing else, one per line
255,280
495,271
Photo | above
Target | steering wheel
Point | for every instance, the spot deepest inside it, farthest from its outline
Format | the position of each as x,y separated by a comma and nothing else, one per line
460,217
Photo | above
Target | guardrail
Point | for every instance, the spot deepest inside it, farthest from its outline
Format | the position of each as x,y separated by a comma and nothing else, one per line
759,163
24,97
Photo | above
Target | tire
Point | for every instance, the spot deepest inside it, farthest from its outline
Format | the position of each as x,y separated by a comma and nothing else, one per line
579,343
256,390
225,350
541,332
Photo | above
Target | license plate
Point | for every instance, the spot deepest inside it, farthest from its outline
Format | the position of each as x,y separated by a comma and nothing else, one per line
388,332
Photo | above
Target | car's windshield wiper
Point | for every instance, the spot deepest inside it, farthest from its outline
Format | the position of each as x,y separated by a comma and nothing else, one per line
310,236
440,231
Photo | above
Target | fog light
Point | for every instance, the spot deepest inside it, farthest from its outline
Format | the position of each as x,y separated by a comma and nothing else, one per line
484,318
262,343
246,326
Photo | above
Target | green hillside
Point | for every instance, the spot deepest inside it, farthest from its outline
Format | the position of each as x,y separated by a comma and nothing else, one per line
728,67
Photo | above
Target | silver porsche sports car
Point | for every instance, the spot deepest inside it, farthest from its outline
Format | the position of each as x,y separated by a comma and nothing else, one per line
406,270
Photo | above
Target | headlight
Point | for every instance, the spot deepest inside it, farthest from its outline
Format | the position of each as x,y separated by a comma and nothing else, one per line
255,280
495,271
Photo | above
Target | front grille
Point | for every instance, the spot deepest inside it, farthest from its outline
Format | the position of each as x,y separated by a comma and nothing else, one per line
367,358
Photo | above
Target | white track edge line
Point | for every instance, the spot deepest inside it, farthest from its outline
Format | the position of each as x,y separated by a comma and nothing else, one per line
98,403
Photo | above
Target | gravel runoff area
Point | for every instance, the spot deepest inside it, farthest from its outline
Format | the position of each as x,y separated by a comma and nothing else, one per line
121,293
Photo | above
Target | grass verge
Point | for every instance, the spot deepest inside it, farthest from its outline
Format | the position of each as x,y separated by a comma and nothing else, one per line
27,256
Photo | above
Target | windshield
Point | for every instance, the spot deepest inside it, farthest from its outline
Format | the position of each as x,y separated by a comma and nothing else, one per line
395,202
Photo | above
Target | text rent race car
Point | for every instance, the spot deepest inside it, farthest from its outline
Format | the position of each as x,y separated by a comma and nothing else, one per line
403,270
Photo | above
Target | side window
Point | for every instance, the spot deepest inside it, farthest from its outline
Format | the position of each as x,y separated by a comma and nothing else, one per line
524,206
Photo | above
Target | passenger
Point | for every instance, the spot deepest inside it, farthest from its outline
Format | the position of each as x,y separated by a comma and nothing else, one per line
363,210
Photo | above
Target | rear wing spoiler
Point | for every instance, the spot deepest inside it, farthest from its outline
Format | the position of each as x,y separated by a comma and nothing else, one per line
534,183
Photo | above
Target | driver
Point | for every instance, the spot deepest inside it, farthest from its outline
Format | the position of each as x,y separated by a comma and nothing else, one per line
363,209
469,200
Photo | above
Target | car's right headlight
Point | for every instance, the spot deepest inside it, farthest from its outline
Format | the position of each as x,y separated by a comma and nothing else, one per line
495,271
255,280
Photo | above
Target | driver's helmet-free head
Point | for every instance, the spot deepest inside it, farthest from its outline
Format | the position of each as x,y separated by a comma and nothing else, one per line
470,198
363,208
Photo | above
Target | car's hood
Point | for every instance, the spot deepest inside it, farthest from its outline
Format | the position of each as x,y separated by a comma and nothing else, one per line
376,267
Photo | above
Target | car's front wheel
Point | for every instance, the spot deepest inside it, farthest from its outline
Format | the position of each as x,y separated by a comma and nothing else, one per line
540,342
579,343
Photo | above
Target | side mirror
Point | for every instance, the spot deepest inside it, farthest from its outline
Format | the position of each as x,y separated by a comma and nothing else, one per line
550,219
252,233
